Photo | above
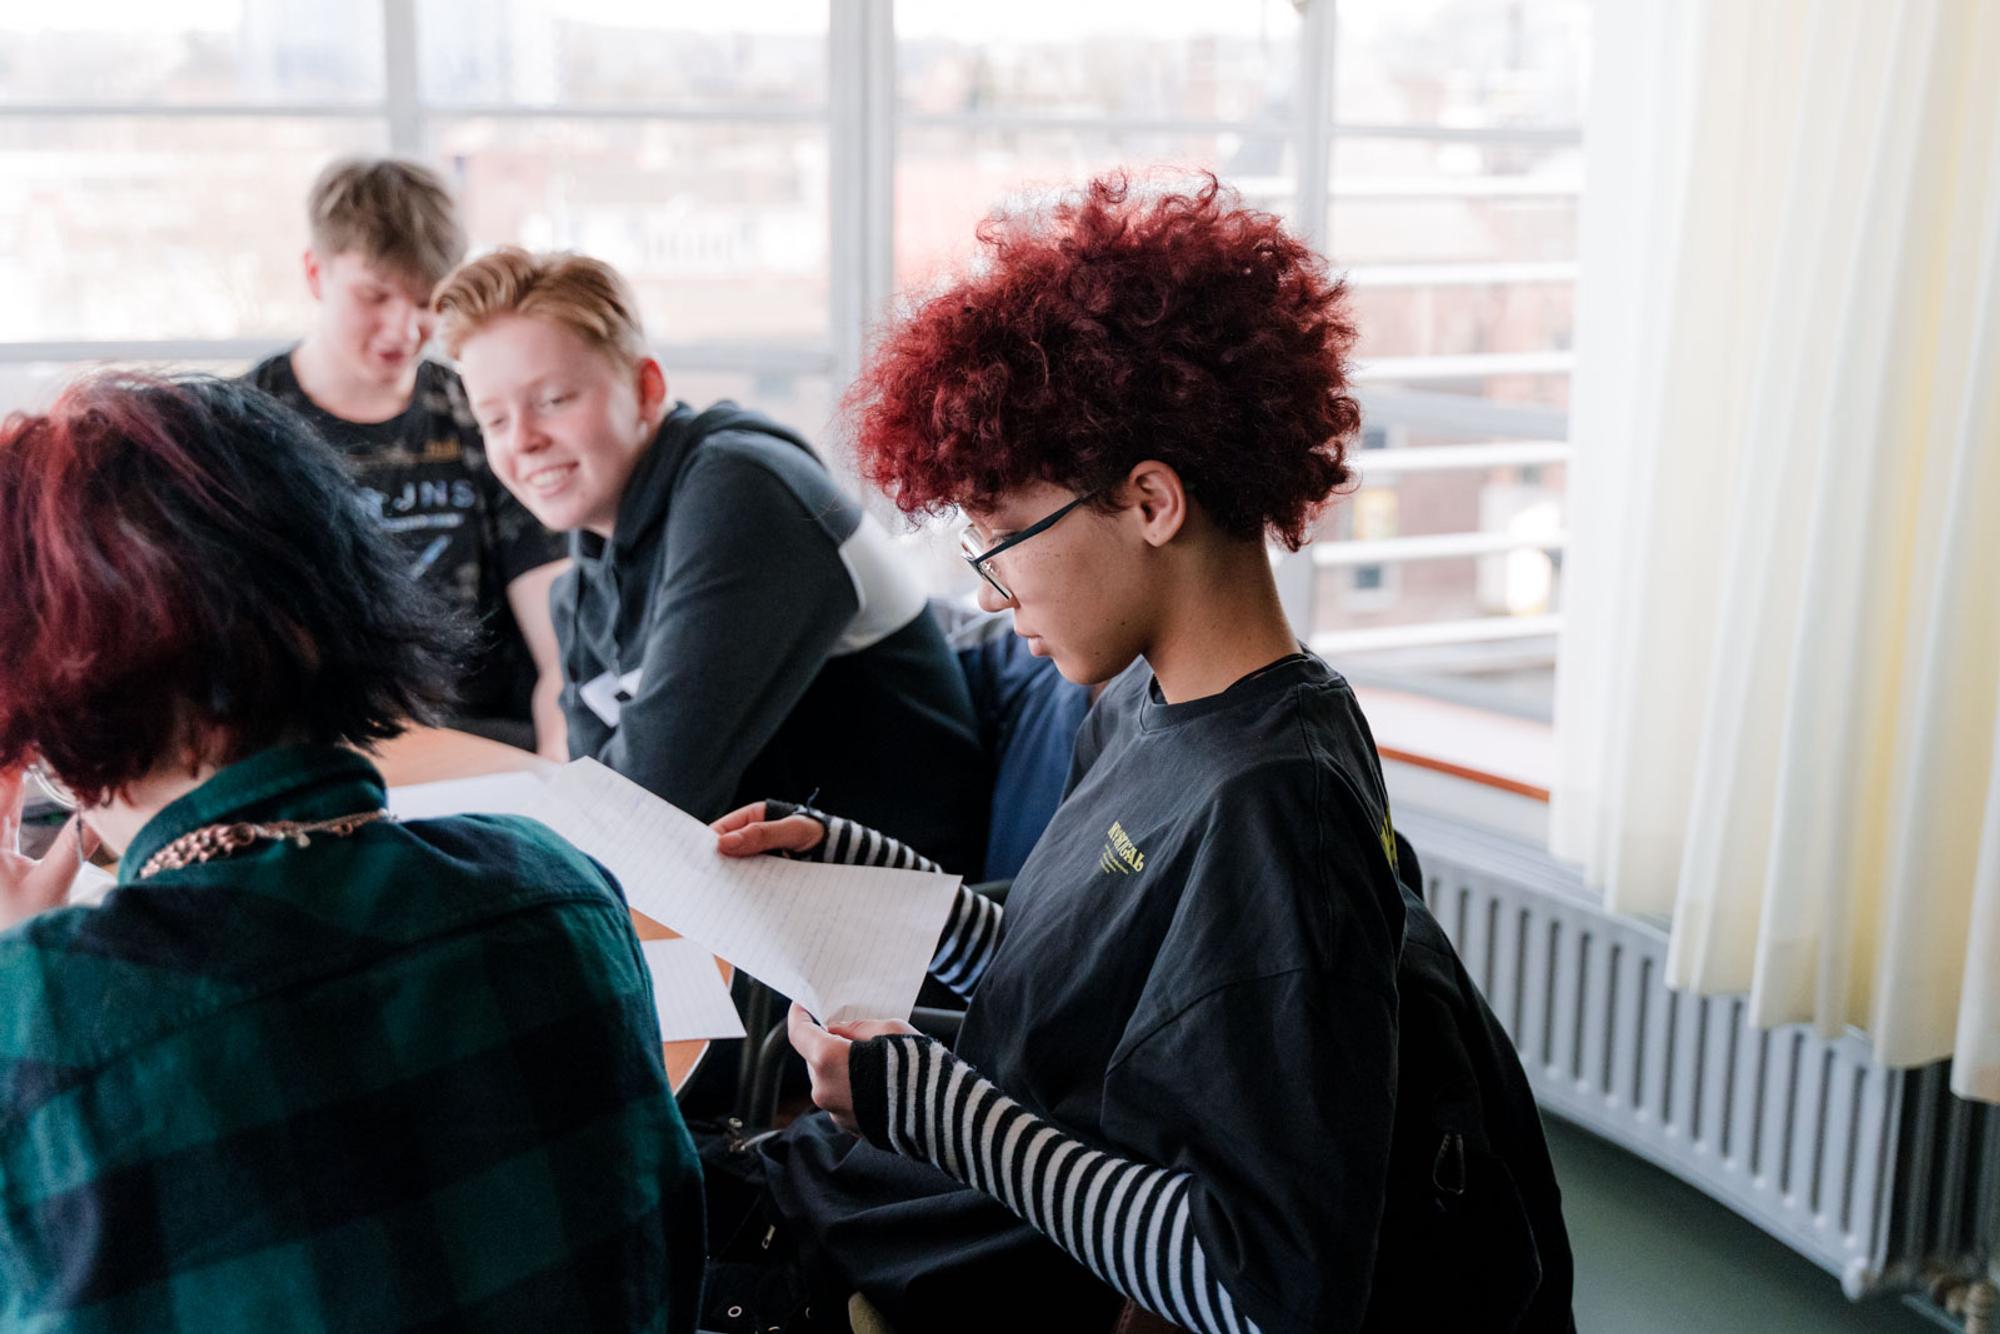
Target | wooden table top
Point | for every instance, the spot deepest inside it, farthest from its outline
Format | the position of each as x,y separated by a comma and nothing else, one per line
432,755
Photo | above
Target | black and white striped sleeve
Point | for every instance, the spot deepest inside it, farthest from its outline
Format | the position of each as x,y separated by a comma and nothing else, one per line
971,933
1127,1221
852,843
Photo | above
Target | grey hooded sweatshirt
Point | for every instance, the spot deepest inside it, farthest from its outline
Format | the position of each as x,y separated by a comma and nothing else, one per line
747,632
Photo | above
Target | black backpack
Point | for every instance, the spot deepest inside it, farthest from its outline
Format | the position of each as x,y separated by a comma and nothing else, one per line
1472,1234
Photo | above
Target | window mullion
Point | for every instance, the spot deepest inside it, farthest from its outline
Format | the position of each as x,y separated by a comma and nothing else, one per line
1315,120
861,96
400,79
1297,584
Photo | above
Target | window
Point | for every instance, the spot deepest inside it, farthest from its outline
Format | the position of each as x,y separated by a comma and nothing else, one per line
771,173
160,166
687,145
1369,517
1456,164
1004,103
142,146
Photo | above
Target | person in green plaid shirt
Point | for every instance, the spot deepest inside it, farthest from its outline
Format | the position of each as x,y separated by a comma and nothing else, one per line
305,1068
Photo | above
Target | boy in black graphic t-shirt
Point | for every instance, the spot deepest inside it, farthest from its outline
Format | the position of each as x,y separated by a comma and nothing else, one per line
1218,1060
383,233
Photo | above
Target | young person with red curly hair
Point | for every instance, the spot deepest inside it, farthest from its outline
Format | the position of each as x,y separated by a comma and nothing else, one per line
1218,1061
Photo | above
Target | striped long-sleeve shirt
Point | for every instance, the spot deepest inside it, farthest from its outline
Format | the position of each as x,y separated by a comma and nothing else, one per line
1125,1220
1220,1057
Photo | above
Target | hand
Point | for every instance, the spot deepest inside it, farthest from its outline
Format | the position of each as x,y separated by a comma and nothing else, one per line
825,1053
28,886
745,832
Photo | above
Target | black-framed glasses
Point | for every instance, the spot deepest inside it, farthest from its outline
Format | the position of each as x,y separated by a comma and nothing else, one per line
982,561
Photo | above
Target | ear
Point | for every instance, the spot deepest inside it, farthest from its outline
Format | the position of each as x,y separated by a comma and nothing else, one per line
309,261
652,390
1154,490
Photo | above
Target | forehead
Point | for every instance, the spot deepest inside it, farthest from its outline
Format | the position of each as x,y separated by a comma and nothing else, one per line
355,267
1017,504
513,350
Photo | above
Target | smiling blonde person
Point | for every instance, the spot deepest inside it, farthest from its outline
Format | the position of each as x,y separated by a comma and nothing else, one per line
734,624
383,231
1218,1060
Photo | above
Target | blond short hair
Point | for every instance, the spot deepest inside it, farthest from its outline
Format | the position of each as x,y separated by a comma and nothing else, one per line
584,295
391,212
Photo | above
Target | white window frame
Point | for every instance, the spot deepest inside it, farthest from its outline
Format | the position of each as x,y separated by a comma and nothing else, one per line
862,122
408,119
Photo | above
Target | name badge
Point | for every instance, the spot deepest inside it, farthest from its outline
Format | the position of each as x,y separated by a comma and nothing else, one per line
607,695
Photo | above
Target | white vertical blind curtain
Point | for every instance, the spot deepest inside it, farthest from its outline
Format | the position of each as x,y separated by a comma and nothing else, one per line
1778,696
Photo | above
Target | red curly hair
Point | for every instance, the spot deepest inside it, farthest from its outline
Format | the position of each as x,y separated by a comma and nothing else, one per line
1116,327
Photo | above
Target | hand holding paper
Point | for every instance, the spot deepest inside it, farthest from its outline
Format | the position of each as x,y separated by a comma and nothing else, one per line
847,942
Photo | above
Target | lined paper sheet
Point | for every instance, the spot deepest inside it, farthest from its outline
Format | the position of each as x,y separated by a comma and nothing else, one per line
488,794
847,942
689,995
91,885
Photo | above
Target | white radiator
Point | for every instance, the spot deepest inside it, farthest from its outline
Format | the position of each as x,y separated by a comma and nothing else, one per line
1878,1175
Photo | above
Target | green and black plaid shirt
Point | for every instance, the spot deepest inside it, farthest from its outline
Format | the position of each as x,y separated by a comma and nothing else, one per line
408,1079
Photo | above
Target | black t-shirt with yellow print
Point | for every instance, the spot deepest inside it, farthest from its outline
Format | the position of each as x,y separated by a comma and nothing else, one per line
424,472
1208,965
1217,882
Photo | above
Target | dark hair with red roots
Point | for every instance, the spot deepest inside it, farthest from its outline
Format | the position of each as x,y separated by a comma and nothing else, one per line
187,570
1119,326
